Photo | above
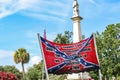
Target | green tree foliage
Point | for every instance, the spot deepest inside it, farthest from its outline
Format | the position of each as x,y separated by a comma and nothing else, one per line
65,38
21,56
35,72
111,53
94,74
108,47
1,68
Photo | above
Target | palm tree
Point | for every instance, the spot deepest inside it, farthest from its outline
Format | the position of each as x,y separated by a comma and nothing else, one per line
21,56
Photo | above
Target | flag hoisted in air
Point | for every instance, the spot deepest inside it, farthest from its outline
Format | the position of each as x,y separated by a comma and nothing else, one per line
70,58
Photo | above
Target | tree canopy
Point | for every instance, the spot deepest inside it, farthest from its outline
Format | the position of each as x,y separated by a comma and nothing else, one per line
108,47
35,72
65,38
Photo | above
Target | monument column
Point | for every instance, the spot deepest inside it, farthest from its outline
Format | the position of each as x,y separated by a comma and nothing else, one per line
77,34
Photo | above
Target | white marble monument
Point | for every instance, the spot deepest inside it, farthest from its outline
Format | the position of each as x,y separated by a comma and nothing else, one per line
77,34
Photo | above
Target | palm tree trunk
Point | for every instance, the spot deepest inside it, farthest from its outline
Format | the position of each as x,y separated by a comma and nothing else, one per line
24,77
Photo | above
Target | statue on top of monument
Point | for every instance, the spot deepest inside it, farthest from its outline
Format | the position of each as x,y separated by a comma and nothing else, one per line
75,8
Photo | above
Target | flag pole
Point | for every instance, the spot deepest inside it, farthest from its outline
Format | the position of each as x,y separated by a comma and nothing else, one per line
100,75
47,77
45,33
43,71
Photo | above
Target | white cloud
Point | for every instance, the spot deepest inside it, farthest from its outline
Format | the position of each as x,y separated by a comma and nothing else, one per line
6,8
48,10
4,54
35,8
27,4
92,1
5,2
9,7
35,60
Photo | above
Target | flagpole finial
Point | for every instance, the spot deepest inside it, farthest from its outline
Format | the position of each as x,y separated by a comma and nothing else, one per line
44,33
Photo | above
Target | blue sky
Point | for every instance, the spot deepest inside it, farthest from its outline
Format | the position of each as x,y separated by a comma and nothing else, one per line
21,20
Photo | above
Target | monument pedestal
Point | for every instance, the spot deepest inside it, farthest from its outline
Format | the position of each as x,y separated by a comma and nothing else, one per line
78,76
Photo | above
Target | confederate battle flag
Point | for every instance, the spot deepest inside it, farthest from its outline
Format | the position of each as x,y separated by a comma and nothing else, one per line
70,58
